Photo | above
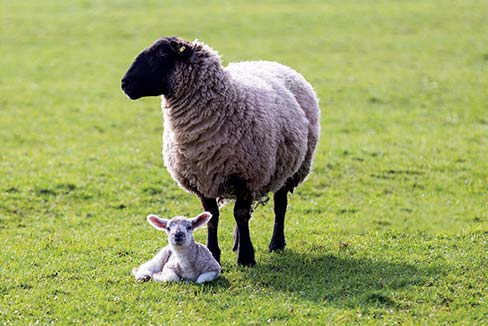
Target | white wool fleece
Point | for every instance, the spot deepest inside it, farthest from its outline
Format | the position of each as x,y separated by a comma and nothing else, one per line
183,258
255,121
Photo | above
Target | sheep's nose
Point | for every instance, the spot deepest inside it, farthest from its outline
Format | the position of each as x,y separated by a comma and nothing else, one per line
125,82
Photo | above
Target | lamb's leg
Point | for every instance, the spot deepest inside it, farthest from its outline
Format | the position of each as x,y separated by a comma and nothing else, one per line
155,265
280,203
167,275
206,277
242,214
210,205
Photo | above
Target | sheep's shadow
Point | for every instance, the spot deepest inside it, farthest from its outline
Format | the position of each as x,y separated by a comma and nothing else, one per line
339,280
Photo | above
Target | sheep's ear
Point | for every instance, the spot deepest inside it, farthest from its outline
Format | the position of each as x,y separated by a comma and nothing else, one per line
183,50
200,220
158,222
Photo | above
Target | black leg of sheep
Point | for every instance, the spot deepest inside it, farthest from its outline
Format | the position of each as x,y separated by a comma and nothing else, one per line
242,214
280,204
211,206
236,239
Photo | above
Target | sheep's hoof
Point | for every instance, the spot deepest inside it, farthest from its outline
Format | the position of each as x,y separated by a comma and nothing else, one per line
246,260
276,246
246,263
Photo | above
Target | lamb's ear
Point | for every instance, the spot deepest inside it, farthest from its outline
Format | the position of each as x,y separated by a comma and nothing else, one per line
158,222
183,50
200,220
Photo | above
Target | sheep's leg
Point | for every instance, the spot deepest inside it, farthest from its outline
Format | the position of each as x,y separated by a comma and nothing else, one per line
206,277
210,205
280,204
236,239
242,214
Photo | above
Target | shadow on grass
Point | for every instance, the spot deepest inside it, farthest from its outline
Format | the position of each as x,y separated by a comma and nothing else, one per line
339,280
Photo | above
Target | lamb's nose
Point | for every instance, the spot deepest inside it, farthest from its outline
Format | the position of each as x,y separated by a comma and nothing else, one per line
179,236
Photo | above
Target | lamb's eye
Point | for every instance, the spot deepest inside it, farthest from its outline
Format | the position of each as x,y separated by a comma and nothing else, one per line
188,228
168,228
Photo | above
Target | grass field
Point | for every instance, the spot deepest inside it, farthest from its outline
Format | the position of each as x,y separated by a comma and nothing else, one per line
390,228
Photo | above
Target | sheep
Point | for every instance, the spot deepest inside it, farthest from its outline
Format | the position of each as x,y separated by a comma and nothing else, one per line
183,258
237,132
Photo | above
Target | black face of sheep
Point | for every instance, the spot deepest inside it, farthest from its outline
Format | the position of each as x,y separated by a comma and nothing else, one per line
151,70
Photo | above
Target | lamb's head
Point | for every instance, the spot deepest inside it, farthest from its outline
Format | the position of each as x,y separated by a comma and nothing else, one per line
179,228
151,71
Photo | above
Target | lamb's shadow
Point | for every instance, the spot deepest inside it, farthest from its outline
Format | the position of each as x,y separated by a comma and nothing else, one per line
339,280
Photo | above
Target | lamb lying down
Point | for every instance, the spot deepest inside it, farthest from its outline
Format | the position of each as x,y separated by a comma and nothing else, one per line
183,258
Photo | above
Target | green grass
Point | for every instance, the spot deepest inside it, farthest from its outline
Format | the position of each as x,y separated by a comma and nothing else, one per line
391,226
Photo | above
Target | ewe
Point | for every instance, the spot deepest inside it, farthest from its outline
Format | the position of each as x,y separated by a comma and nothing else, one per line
236,132
183,258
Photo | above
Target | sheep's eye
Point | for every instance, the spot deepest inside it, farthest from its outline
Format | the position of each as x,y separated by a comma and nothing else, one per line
168,228
188,228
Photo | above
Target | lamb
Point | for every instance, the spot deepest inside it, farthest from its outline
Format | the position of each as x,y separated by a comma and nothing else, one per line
235,132
183,258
